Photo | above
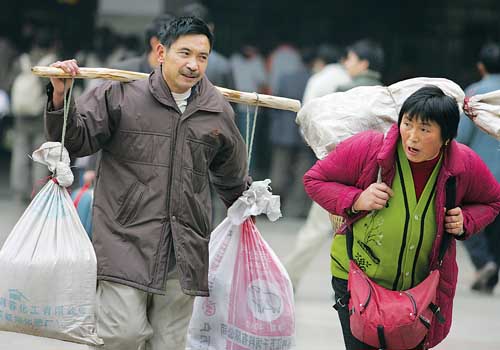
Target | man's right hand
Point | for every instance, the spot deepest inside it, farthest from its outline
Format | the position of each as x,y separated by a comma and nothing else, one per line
69,66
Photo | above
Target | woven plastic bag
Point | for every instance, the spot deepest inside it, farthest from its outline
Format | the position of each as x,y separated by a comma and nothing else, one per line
48,275
328,120
251,302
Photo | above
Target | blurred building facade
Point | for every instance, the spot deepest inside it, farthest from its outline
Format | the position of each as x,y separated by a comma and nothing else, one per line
420,37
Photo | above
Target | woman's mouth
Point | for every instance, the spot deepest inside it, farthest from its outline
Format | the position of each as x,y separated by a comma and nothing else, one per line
412,151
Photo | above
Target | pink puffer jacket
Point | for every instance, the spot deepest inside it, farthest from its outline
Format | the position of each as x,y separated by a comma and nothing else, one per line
336,182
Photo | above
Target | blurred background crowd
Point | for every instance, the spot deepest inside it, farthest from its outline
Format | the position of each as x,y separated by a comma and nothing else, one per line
296,49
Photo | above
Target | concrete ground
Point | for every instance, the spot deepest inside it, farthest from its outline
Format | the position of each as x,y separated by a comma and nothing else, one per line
476,319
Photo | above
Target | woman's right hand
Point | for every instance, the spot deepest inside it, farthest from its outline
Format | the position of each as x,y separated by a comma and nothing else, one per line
68,66
374,197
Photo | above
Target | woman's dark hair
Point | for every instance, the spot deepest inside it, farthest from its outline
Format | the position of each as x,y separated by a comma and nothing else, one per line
431,104
184,26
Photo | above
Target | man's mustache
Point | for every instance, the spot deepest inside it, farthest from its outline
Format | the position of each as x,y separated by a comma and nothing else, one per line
190,74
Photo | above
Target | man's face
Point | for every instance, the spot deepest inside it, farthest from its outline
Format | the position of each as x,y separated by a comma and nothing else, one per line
185,62
354,65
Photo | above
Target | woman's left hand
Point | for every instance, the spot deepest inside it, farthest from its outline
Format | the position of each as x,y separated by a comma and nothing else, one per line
454,221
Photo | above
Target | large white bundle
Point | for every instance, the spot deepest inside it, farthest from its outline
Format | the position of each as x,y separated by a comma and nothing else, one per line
328,120
48,275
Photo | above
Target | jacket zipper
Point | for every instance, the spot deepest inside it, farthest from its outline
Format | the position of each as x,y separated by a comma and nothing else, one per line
365,304
169,199
413,302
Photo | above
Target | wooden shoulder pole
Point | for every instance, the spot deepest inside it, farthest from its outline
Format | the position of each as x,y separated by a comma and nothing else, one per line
123,75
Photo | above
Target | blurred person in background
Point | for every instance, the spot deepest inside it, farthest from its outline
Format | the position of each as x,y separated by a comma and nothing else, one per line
290,157
27,105
149,60
364,62
484,249
329,73
362,66
249,72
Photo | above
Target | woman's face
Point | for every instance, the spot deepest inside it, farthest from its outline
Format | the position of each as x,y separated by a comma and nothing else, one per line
421,140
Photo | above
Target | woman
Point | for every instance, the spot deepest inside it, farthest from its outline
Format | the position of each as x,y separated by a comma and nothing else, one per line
398,245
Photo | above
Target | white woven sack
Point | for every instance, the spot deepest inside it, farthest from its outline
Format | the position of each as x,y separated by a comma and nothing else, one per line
326,121
49,271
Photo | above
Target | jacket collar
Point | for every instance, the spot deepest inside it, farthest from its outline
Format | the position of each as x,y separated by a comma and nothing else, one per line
204,95
452,163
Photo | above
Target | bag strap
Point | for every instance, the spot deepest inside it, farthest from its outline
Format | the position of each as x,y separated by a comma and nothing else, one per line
451,198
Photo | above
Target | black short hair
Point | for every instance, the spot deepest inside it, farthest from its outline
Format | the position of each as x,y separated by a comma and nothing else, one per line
155,27
196,9
330,53
371,51
184,26
490,57
431,104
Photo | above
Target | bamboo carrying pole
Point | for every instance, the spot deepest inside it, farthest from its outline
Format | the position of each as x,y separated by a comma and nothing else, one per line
123,75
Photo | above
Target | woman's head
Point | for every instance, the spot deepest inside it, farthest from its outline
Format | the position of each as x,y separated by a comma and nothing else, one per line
427,120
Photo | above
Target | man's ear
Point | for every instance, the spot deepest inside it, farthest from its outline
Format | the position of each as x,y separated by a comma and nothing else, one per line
481,69
153,41
365,64
160,52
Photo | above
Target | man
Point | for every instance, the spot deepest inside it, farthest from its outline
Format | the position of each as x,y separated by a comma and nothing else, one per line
484,249
364,60
364,63
147,62
290,157
160,138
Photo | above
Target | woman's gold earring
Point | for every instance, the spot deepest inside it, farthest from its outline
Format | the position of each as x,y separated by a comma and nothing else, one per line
446,143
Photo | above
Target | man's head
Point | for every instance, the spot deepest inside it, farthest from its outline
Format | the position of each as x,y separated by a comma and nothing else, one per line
489,59
199,10
185,44
364,55
152,32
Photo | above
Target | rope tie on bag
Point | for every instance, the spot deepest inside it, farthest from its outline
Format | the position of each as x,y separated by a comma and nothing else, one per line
250,137
469,112
67,99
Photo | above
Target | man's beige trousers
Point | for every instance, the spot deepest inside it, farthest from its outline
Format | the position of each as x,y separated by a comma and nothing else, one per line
130,319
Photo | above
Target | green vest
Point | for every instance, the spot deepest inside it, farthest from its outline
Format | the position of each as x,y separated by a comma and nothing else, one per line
393,245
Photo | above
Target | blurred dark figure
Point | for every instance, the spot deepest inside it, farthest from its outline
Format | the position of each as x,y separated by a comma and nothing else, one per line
364,62
219,70
7,60
291,158
484,249
284,59
249,72
148,61
28,103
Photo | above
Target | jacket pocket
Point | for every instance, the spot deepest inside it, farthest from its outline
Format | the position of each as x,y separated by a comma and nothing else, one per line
200,154
130,205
